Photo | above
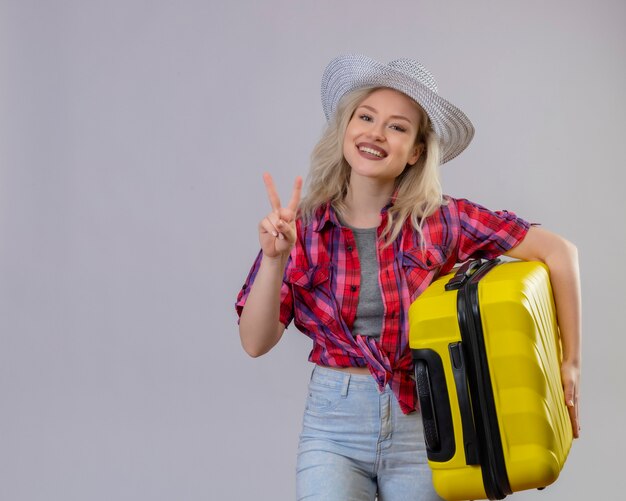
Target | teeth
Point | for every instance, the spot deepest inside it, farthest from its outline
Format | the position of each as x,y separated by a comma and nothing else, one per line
365,149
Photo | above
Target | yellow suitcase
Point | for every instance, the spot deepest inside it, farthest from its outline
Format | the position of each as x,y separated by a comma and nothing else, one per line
487,364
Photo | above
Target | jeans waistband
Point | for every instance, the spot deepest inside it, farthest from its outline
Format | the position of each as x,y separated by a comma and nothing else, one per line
339,379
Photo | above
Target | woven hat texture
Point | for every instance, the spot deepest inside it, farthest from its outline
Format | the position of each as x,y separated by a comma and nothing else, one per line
353,71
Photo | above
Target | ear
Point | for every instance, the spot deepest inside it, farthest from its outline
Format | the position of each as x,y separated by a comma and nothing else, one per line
416,154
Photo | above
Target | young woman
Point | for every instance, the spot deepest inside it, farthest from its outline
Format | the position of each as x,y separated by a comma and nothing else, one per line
342,264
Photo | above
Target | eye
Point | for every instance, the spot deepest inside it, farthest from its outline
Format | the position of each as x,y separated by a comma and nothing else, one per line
365,117
397,127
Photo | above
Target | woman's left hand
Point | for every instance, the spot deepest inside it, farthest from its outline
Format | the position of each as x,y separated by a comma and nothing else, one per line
570,376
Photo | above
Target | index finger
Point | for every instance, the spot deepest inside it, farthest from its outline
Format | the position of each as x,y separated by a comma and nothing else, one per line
271,191
573,415
295,197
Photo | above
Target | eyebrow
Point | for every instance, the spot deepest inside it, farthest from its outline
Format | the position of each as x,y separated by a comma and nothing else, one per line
400,117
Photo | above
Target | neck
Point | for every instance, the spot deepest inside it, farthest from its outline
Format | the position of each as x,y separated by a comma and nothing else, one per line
364,201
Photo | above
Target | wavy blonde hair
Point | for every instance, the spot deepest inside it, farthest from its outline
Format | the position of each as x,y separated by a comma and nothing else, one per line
418,188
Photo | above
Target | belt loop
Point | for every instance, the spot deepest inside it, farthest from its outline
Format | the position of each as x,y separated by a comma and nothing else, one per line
346,384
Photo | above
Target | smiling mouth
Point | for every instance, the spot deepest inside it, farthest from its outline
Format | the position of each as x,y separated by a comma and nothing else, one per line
372,151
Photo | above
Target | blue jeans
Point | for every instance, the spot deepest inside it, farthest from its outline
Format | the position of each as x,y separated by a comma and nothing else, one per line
357,444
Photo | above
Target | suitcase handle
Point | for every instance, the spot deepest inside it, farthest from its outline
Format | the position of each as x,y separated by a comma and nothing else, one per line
465,272
427,406
434,404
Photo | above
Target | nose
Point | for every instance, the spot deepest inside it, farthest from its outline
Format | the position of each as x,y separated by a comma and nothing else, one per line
377,132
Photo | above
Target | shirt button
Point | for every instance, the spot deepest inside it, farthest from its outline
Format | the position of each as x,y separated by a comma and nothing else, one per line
349,248
428,263
244,287
353,288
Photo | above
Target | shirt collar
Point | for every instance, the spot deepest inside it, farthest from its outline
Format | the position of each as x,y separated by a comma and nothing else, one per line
326,215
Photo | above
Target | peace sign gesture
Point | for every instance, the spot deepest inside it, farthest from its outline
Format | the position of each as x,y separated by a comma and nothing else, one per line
277,230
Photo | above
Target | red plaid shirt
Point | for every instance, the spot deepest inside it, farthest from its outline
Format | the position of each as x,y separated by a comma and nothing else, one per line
321,284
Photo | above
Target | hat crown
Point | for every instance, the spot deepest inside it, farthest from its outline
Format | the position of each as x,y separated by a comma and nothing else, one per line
415,70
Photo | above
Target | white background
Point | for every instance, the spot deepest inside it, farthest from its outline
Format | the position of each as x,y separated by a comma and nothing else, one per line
133,135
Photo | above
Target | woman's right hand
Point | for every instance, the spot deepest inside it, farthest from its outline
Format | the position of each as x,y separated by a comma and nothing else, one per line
277,230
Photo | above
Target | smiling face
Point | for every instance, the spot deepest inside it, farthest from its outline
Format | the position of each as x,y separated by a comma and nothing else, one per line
380,138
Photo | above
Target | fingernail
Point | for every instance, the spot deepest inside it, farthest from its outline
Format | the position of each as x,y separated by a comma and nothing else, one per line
570,403
275,233
281,236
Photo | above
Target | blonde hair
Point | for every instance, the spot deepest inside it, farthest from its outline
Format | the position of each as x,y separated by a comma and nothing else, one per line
418,188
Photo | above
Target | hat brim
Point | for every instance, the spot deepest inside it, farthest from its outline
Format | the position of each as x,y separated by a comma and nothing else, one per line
350,72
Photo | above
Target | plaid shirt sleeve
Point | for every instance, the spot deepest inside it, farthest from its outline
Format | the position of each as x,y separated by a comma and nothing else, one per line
487,234
286,297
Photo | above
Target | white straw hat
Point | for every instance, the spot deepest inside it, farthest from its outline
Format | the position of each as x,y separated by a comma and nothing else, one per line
353,71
